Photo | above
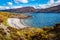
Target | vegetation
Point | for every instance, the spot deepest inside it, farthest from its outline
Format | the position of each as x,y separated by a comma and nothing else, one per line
4,16
29,34
47,33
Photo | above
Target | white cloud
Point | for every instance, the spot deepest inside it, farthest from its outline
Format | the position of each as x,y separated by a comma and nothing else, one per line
10,3
58,0
34,6
23,1
4,7
16,7
51,3
41,6
7,7
1,8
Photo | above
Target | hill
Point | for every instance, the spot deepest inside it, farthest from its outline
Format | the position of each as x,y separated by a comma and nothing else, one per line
54,9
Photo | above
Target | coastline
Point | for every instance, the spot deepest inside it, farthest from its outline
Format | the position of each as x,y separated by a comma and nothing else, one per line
16,23
22,22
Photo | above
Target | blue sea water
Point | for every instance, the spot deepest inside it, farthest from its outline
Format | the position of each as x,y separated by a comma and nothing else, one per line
42,19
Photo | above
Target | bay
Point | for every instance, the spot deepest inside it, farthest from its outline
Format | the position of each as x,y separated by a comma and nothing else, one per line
42,19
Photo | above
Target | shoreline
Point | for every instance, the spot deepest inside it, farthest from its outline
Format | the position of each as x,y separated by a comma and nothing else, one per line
16,23
22,22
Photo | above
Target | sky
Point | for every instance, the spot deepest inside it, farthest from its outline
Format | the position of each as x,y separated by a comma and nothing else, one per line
6,4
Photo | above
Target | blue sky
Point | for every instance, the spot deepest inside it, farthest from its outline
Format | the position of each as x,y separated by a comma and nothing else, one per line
24,3
30,2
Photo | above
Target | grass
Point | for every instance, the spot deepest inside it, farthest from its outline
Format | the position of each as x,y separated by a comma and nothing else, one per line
47,33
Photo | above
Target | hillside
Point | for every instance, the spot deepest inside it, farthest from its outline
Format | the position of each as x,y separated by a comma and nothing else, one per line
28,33
31,9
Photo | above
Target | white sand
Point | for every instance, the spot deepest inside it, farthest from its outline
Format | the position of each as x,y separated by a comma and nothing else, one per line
15,22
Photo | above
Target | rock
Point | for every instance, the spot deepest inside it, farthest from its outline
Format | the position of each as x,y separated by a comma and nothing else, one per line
20,16
51,36
57,25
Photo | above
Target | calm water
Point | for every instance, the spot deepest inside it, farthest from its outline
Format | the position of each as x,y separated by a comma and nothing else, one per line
42,19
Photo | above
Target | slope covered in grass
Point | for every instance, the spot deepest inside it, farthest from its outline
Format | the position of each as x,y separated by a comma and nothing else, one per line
29,33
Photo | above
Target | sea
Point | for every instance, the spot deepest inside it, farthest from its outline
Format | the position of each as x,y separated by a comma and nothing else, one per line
42,19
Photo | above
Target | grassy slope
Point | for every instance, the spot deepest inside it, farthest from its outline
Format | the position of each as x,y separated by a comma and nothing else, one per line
26,33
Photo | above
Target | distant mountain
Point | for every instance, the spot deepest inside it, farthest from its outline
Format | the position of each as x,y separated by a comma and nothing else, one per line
51,9
31,9
20,10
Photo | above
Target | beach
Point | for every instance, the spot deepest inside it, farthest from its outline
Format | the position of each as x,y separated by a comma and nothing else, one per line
16,23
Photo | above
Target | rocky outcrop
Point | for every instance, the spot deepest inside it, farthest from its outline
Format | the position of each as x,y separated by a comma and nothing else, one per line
20,16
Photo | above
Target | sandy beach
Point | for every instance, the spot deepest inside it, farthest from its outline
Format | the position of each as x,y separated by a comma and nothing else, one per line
16,23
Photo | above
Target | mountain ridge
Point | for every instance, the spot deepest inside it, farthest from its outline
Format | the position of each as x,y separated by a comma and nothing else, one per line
54,9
